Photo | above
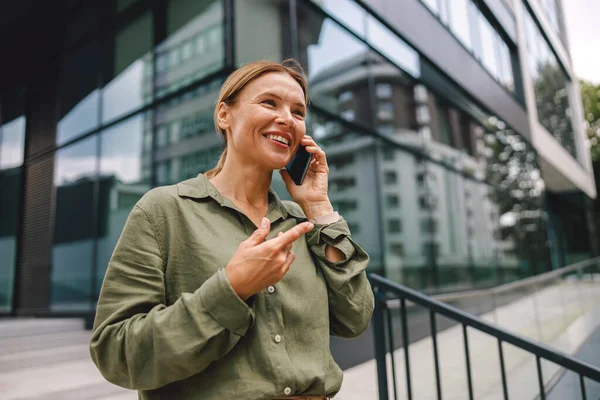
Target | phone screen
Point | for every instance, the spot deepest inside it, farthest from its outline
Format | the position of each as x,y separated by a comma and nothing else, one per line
298,166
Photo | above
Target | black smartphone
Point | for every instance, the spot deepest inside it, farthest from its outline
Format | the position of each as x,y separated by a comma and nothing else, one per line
299,165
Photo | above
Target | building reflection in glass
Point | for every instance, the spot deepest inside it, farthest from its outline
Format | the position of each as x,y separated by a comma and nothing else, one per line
443,200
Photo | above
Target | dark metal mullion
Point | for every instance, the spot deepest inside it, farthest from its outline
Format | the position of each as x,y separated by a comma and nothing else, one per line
468,361
405,343
540,378
1,136
159,33
392,347
433,328
502,370
582,384
229,37
294,28
100,80
379,337
96,193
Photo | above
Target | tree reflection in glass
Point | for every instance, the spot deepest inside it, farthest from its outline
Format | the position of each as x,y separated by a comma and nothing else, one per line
517,190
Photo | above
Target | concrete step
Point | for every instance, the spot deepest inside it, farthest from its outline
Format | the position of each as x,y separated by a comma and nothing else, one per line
66,380
16,345
19,327
53,366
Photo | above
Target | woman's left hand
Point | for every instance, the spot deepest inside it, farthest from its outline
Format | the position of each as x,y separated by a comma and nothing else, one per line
311,196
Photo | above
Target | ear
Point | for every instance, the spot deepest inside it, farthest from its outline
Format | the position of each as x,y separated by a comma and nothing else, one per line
223,114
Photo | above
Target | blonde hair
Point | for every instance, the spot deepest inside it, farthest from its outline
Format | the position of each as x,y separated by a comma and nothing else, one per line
239,79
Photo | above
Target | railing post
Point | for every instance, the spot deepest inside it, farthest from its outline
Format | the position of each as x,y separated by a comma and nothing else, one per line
379,337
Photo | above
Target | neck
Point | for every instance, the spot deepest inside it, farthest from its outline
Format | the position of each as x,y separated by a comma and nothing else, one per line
244,183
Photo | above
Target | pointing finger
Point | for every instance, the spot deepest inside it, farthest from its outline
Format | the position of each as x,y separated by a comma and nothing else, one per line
289,237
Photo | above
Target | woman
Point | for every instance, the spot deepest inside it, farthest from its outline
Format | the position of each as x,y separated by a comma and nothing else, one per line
219,290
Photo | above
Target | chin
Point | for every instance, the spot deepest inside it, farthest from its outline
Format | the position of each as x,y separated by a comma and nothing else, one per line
275,163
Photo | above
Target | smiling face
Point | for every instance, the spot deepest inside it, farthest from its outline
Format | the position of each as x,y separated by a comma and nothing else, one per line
266,123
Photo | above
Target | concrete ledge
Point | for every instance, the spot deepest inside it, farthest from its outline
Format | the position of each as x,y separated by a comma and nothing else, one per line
19,327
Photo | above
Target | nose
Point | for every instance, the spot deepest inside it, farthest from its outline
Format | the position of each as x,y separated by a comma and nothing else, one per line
285,117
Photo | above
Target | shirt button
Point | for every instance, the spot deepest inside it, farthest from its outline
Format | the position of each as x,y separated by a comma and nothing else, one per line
287,391
271,289
277,338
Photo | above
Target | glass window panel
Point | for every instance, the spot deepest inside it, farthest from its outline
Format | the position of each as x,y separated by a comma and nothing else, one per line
551,86
399,210
459,22
488,41
334,62
10,182
348,12
346,96
194,47
383,91
445,11
394,226
185,135
332,48
392,201
73,243
131,86
475,35
348,115
80,97
12,143
272,16
390,45
390,177
506,64
124,177
443,132
516,193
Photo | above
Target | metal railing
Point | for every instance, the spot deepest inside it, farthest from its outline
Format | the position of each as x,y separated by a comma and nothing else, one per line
390,295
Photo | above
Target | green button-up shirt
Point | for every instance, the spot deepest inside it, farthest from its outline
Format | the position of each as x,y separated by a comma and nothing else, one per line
169,324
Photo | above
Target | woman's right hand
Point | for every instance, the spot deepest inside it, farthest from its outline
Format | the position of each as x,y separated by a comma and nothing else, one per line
258,264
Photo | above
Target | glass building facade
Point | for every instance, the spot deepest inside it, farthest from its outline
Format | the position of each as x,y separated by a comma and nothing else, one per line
442,192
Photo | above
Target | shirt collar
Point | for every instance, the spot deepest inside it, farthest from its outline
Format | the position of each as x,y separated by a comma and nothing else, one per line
201,188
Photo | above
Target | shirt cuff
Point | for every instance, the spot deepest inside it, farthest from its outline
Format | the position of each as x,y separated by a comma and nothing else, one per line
336,235
224,305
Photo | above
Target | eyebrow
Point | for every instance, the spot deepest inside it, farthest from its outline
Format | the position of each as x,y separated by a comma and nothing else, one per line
279,97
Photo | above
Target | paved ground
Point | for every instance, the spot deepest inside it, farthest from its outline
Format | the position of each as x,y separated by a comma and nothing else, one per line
569,387
49,359
563,316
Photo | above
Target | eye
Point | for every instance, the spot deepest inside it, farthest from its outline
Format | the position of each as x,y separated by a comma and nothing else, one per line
270,102
299,113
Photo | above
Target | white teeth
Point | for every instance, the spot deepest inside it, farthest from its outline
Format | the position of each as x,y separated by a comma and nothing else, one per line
279,139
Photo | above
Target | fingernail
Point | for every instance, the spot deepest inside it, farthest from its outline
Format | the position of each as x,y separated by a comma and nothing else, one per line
264,221
311,225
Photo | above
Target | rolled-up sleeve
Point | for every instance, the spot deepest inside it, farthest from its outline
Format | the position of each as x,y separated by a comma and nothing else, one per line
350,297
138,342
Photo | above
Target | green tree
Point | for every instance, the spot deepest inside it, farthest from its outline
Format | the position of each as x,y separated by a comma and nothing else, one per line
590,96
